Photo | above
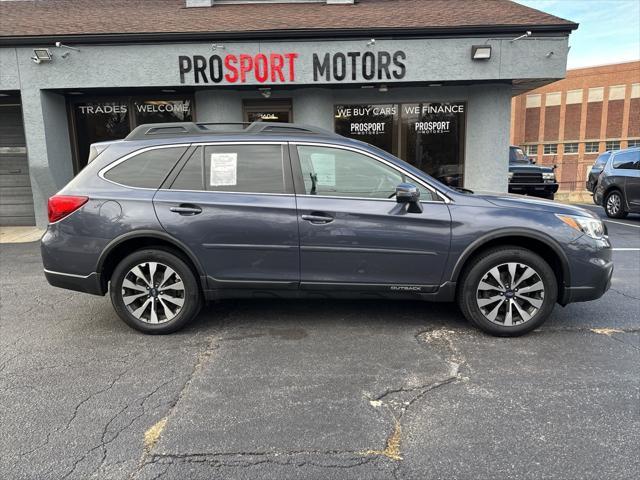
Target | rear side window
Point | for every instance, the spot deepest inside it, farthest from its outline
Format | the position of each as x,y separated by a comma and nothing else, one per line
234,168
626,160
147,169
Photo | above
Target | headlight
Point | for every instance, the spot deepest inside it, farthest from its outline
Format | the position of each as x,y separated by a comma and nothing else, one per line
549,176
587,225
510,175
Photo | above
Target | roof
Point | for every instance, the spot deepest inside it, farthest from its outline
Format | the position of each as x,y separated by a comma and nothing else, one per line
29,21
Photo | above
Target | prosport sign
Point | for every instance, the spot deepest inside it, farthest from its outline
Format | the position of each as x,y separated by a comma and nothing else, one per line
275,68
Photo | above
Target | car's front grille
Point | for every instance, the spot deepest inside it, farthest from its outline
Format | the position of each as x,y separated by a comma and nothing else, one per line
527,177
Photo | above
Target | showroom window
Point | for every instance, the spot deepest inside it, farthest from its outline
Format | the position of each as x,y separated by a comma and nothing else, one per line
591,147
430,136
550,149
102,118
613,145
570,148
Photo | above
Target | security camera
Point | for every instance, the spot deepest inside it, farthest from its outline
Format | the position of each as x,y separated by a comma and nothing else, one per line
36,60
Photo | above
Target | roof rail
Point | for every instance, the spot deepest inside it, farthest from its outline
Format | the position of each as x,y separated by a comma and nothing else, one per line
184,129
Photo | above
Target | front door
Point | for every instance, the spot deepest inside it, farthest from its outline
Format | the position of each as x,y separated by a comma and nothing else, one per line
233,206
352,231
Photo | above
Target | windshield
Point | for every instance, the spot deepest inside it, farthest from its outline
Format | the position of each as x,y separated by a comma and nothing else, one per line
517,155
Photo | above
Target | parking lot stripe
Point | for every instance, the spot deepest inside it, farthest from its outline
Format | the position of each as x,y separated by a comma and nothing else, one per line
626,249
622,223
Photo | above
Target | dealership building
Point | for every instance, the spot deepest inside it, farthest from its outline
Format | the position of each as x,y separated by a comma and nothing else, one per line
429,81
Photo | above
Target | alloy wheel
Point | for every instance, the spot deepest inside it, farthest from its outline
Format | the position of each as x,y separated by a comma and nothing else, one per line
153,292
510,294
614,202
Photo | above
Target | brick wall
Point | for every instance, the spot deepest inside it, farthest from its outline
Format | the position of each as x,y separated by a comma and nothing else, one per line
634,118
594,120
532,124
572,118
551,123
614,118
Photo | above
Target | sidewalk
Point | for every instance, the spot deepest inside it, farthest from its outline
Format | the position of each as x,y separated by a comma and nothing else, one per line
20,234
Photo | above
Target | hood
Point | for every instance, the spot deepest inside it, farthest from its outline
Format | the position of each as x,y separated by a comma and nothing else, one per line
507,200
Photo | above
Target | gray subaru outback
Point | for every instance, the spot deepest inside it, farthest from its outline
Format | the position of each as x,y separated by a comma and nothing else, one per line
177,214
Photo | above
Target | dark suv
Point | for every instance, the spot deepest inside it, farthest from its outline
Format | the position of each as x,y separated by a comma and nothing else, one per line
175,214
525,177
618,187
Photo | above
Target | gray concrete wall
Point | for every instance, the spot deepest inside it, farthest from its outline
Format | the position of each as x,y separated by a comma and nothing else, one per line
428,61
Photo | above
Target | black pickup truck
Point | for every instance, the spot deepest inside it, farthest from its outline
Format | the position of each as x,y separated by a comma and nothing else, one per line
527,178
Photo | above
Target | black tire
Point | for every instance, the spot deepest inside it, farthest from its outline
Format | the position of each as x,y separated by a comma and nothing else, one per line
190,295
610,204
481,266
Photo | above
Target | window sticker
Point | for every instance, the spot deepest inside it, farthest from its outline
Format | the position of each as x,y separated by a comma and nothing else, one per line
224,169
324,166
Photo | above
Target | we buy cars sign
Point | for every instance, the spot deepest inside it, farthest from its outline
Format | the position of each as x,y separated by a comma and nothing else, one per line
292,67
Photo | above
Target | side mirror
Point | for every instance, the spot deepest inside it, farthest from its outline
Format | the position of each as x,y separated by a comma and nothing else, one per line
408,193
532,160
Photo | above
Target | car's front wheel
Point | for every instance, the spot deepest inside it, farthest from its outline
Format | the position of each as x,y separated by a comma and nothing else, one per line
614,206
155,291
507,291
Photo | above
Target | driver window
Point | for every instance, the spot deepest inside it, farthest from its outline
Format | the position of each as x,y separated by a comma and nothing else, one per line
335,172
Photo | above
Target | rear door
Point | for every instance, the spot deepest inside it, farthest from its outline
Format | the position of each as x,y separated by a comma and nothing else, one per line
233,205
625,168
354,235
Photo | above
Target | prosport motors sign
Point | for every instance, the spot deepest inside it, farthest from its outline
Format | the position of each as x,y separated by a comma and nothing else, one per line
293,67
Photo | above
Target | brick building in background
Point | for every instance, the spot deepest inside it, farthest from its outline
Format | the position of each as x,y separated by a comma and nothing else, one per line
569,122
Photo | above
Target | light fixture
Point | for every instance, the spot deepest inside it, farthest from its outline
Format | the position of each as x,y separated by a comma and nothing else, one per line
383,88
75,93
524,35
217,46
549,55
265,92
371,42
480,52
434,85
62,45
41,55
168,90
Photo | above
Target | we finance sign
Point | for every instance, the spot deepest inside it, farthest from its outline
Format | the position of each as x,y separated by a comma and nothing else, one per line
293,67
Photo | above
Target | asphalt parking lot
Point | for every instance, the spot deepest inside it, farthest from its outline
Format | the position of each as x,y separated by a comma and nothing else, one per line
317,389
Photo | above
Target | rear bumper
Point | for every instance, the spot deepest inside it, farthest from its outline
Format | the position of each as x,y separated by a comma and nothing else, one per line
533,188
80,283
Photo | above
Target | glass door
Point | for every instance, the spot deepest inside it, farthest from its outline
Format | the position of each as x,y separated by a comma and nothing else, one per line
267,111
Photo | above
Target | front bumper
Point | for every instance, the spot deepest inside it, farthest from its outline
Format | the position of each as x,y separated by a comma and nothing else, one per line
535,189
591,268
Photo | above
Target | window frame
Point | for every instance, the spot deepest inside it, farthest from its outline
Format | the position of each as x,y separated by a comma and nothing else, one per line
286,163
619,153
135,153
608,143
588,150
550,145
564,148
299,181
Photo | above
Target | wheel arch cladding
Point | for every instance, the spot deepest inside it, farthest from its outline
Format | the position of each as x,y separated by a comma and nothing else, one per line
545,247
133,241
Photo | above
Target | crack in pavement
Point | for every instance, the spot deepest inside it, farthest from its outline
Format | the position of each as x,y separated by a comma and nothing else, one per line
201,359
441,339
623,294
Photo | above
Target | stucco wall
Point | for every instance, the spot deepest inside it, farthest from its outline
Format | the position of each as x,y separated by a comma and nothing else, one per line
427,61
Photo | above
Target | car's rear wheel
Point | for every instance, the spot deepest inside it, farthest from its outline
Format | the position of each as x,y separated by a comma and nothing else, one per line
155,291
614,205
508,291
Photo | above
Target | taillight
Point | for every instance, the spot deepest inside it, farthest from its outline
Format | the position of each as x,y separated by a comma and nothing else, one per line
62,205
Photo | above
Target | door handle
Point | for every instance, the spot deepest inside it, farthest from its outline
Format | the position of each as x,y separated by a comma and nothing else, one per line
318,218
187,210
